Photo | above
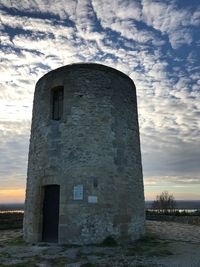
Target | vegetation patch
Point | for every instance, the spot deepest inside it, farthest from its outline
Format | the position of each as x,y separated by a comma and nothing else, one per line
12,220
21,264
98,254
42,244
149,246
17,241
4,255
59,261
66,246
109,241
88,264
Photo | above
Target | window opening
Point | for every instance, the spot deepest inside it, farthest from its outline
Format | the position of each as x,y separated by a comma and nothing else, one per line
57,102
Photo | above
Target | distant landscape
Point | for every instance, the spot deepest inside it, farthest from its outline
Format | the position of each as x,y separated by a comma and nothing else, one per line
180,204
12,207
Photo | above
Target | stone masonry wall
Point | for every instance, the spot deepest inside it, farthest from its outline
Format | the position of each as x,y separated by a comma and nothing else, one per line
95,145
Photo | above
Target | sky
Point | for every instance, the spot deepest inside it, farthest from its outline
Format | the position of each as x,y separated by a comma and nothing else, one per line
155,42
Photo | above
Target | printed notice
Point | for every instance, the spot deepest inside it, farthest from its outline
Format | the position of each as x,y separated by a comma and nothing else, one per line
78,192
92,199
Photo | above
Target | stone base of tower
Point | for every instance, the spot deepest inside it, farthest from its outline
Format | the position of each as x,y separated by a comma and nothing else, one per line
93,230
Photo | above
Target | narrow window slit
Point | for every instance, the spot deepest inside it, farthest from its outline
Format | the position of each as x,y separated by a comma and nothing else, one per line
57,102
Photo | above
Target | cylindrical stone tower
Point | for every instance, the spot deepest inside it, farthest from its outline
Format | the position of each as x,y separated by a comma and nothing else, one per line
84,172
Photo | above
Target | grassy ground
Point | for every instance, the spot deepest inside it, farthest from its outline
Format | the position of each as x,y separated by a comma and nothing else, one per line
12,220
166,244
106,254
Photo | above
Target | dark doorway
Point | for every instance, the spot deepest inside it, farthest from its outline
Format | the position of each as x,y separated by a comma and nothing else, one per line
51,213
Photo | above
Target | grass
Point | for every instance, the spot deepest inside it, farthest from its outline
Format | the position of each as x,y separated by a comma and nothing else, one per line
11,221
109,241
18,241
98,254
4,255
88,264
21,264
149,246
56,262
59,261
66,246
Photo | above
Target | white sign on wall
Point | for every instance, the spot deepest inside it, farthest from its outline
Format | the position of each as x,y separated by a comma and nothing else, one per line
78,192
92,199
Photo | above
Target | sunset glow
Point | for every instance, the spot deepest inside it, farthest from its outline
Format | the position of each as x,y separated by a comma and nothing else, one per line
12,195
191,193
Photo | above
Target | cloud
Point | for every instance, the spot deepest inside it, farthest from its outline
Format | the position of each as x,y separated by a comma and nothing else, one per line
14,142
144,39
176,23
175,180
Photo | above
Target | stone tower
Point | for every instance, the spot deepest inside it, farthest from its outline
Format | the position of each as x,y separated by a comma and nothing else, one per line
84,171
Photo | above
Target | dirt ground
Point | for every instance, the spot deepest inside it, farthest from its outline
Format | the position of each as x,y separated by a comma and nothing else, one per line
166,244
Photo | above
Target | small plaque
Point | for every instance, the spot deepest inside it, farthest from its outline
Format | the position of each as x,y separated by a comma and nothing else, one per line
78,192
92,199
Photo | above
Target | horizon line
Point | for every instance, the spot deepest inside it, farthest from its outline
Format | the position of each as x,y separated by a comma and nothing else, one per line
12,203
